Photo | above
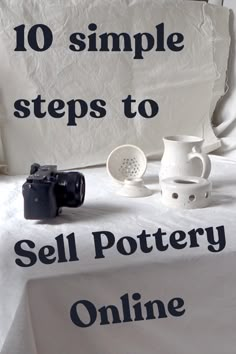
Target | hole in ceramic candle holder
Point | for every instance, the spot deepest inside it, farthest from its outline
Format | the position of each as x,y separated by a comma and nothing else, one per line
182,181
206,195
175,196
192,198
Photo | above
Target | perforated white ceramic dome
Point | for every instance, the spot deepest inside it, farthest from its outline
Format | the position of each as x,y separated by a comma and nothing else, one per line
126,162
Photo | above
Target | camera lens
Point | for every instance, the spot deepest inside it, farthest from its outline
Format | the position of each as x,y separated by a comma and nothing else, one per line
70,189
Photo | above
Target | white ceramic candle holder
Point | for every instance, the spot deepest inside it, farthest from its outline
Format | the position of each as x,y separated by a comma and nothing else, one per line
186,192
126,162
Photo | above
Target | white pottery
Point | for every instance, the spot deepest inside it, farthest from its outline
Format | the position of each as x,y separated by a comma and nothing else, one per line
134,188
126,161
186,192
183,156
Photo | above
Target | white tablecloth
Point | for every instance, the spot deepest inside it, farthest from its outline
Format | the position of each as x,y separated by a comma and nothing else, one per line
35,302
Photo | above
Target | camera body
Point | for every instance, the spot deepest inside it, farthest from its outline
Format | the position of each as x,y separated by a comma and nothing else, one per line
47,190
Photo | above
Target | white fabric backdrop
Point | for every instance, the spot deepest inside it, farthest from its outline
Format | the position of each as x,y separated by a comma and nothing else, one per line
225,117
186,96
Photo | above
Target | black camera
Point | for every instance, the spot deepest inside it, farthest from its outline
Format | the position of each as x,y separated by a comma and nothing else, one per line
47,190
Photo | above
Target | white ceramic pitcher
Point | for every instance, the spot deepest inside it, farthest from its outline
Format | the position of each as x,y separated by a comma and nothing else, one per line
183,156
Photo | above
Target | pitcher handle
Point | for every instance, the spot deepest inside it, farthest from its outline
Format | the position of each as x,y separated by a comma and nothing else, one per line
206,162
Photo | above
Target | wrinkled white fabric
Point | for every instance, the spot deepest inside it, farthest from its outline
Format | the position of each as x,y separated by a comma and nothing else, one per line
186,84
215,2
35,303
225,116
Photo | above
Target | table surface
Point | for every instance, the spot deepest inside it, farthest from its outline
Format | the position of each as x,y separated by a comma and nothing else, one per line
105,211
